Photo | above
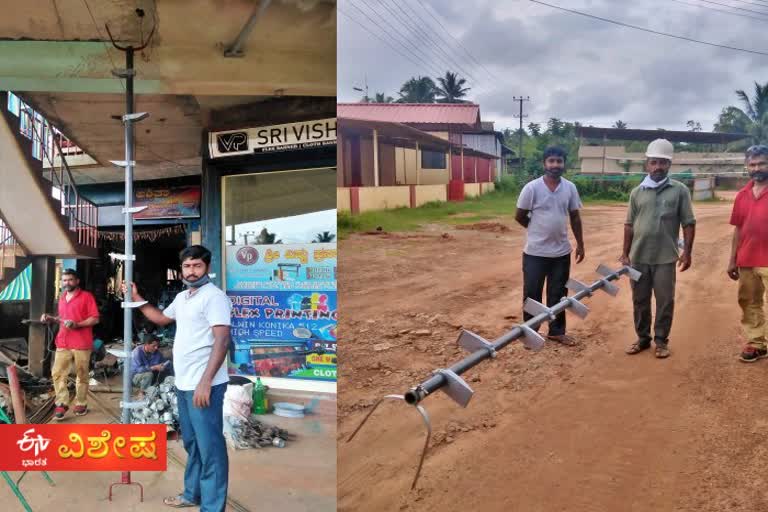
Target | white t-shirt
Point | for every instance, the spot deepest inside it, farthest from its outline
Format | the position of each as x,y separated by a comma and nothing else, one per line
550,214
195,317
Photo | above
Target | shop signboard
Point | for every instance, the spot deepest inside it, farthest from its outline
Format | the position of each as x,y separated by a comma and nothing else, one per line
284,310
272,139
168,202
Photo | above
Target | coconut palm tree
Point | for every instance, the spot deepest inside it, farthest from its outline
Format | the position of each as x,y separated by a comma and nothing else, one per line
418,90
382,98
266,238
451,89
751,120
620,125
324,237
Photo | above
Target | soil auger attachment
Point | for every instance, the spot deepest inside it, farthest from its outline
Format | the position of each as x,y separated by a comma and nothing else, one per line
449,379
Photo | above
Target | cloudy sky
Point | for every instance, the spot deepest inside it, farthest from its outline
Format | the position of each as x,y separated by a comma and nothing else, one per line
572,67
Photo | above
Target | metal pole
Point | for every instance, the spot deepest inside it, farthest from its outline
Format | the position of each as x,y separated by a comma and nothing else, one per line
439,380
520,132
128,312
17,396
520,136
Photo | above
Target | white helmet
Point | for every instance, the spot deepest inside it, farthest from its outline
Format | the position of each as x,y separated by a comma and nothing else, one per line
660,148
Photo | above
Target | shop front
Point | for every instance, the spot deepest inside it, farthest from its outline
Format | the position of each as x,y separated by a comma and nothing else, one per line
269,217
170,222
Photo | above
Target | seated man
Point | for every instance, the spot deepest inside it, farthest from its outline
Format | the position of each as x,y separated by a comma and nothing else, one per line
148,366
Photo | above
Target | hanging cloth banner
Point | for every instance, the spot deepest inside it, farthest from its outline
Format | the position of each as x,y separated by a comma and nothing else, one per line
150,235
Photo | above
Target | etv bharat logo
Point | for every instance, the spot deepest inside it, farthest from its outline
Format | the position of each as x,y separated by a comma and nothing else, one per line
27,443
247,256
232,142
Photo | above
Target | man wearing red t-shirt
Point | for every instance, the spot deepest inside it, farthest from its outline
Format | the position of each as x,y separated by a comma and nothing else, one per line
749,252
77,316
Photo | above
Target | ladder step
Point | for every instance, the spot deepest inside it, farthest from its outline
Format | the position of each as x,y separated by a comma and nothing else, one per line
135,209
132,305
135,117
123,163
123,73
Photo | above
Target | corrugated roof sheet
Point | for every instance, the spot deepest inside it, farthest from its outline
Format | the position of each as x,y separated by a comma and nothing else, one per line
404,131
392,130
413,113
19,288
648,135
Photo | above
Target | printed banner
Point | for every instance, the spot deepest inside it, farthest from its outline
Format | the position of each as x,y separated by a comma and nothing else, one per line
83,447
284,310
284,334
308,267
168,202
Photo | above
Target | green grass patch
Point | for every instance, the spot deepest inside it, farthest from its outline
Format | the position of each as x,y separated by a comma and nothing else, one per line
494,204
502,202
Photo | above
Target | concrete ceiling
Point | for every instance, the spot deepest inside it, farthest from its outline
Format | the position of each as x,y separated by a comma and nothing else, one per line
54,54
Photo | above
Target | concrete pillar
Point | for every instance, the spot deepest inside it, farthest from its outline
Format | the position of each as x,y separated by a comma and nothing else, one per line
376,179
605,143
41,301
211,219
418,165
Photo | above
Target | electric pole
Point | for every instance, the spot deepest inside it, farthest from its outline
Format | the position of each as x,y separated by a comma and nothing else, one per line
520,99
366,98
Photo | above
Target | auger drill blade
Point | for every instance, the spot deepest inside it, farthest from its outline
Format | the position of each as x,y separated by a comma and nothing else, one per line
531,338
456,387
472,342
536,308
577,308
576,286
634,275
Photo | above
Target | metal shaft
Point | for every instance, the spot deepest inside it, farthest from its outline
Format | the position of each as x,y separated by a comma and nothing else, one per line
128,312
437,381
17,396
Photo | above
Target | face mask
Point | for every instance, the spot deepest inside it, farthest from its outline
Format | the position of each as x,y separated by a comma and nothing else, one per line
759,176
197,284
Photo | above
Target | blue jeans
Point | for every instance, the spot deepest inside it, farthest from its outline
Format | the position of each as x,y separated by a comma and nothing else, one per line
207,471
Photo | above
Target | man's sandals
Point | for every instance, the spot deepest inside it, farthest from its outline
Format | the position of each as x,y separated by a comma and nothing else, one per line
563,339
661,352
178,502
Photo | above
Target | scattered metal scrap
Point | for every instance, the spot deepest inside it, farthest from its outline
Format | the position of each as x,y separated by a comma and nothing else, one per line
256,434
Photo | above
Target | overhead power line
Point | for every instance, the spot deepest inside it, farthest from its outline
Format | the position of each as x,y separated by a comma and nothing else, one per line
746,2
722,10
424,36
424,56
362,25
711,2
461,45
650,31
420,60
477,86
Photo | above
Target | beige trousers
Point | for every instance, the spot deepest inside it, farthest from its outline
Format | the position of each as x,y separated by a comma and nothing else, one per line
62,367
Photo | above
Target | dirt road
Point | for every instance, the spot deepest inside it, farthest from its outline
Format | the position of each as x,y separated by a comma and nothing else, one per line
566,429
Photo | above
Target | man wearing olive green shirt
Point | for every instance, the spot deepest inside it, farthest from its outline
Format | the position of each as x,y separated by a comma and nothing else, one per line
658,207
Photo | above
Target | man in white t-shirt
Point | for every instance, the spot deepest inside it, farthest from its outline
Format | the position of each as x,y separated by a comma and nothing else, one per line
202,316
544,207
